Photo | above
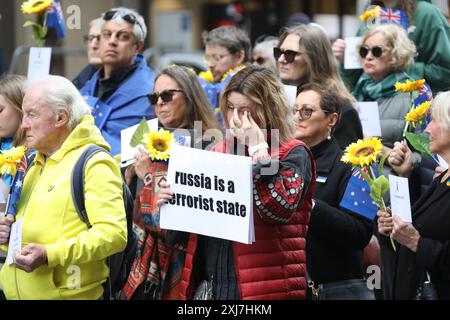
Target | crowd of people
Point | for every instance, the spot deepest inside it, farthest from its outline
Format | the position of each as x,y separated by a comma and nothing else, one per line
291,92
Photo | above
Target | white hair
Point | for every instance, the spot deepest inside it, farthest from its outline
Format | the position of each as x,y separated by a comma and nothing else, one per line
139,28
60,93
97,22
441,109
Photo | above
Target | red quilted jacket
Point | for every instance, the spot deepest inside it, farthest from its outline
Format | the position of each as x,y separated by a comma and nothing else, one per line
273,267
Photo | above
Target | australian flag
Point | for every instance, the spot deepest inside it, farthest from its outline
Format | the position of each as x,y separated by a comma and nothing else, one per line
55,19
397,17
357,197
16,187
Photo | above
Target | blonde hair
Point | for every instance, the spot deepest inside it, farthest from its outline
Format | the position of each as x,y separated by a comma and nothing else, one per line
441,109
322,66
403,49
12,88
261,86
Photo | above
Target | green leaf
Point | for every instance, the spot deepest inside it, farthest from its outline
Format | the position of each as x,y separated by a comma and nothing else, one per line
138,135
420,143
378,188
30,23
381,164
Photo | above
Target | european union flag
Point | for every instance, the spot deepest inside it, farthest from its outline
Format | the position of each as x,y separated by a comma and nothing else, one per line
55,19
16,187
357,197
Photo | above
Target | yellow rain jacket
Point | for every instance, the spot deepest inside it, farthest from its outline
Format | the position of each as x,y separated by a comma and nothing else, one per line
76,255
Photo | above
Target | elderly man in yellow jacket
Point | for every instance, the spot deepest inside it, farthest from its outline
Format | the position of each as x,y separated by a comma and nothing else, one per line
61,258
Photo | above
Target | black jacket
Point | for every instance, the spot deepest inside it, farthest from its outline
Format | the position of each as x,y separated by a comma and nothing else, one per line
349,128
336,237
430,215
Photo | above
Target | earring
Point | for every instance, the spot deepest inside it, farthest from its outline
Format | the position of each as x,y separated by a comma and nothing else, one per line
329,135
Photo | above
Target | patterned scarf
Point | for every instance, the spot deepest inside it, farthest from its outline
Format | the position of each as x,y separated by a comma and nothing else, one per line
367,89
156,271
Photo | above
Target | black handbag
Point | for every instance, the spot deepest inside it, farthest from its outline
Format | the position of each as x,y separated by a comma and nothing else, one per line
426,289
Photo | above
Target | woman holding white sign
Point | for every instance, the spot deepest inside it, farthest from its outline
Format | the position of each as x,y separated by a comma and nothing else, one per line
179,101
424,250
386,53
259,120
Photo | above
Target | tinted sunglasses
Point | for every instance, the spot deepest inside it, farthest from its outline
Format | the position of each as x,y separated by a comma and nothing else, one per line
289,55
166,96
377,51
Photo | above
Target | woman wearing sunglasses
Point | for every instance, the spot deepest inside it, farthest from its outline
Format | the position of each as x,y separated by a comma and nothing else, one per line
428,29
179,101
273,267
304,56
336,236
386,52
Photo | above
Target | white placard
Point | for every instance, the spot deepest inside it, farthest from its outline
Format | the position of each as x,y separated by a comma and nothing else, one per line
400,203
39,63
127,152
212,194
442,162
15,241
351,55
370,118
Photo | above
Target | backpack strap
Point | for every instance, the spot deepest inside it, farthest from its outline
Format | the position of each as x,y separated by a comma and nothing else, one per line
77,182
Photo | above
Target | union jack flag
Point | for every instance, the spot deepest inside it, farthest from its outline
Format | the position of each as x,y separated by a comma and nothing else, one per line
16,187
357,173
397,17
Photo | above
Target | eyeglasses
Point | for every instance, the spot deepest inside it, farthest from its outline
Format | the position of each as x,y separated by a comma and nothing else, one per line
259,60
215,58
289,55
166,96
129,17
91,37
306,112
377,51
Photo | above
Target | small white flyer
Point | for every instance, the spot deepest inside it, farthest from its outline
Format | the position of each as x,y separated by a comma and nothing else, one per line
15,241
370,118
39,63
400,203
351,55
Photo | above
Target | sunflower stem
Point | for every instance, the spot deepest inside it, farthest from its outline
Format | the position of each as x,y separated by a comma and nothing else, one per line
411,103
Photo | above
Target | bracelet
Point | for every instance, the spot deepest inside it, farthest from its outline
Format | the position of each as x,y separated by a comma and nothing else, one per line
255,149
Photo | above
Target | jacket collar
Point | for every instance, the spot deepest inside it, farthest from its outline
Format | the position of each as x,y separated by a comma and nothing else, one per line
325,154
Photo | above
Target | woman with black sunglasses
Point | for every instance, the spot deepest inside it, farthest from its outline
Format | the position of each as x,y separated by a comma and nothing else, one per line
179,101
304,55
428,28
386,52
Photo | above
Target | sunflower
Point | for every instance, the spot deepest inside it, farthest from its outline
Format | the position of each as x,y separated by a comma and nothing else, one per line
10,160
409,86
232,70
207,76
363,152
416,115
158,144
35,6
369,13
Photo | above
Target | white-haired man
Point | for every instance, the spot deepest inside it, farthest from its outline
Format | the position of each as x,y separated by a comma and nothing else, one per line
61,258
118,91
